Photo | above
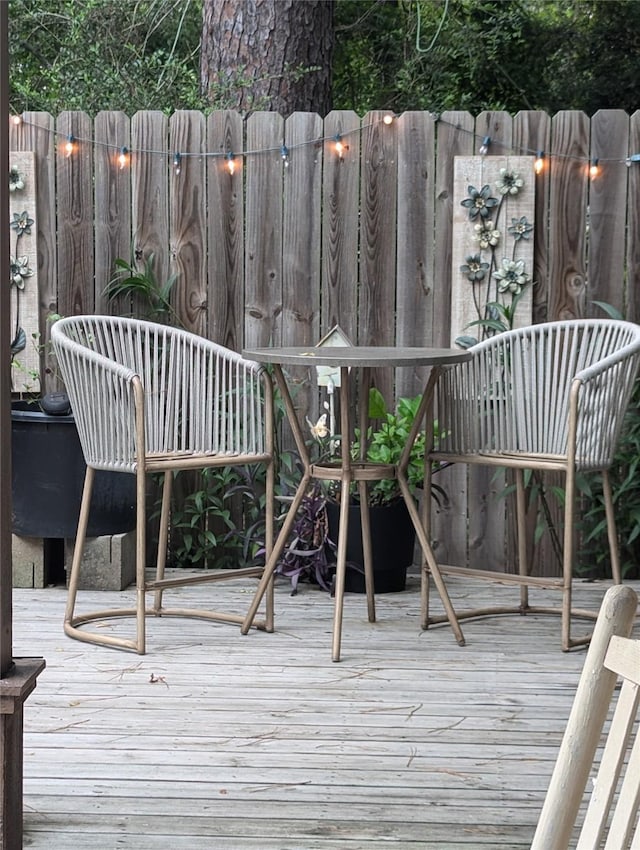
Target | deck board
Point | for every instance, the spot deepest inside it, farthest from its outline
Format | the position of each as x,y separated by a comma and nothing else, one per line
215,741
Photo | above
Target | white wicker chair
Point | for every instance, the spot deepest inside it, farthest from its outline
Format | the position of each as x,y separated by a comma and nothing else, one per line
546,397
150,398
610,821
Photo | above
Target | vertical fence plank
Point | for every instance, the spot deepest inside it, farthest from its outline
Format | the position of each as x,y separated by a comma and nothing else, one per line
568,214
302,173
112,204
263,234
455,137
150,195
416,245
531,134
633,224
607,195
378,227
301,230
74,195
225,227
187,220
340,213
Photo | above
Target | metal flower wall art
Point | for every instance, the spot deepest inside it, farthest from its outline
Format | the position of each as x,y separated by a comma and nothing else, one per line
23,274
496,274
20,270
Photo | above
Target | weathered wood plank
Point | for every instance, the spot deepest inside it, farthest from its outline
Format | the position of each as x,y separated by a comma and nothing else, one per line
416,248
150,196
531,134
263,234
112,205
607,194
568,214
340,206
187,221
225,223
74,195
378,226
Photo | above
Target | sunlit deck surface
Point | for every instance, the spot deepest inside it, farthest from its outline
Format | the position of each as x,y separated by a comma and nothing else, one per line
214,741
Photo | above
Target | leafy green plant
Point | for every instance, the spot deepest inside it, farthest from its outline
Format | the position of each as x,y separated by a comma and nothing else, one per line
131,281
207,532
387,441
308,554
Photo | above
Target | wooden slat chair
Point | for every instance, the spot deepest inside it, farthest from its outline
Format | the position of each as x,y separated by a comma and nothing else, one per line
609,776
546,397
150,398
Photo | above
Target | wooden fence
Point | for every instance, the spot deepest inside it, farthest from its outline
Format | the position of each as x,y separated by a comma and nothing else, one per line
301,236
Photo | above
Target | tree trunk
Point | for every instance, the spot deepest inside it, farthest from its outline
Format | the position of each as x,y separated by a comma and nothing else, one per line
268,55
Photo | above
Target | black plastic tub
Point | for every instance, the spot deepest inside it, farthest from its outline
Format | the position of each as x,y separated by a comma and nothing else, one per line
392,542
47,478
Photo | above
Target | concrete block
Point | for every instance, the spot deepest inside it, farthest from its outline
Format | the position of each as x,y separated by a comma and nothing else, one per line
109,562
27,555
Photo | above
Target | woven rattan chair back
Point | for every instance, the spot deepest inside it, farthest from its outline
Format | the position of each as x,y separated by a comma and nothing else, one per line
151,398
546,397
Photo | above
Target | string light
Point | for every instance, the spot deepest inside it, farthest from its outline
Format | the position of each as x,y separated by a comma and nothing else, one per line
124,156
483,150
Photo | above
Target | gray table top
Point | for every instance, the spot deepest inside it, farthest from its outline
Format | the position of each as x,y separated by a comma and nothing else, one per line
357,355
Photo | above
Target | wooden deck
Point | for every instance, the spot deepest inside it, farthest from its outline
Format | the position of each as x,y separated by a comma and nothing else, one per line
214,741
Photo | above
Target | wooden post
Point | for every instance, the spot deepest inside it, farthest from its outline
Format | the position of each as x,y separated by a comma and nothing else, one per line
17,677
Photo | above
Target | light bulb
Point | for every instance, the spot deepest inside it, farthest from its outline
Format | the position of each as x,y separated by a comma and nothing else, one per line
388,118
284,154
123,158
177,162
69,146
594,168
538,165
340,146
483,150
231,164
16,119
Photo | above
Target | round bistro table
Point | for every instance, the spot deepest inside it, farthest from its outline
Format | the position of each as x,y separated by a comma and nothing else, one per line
355,364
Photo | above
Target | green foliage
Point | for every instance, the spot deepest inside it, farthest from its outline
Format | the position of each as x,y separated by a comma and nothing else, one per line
487,55
130,281
104,54
387,441
206,532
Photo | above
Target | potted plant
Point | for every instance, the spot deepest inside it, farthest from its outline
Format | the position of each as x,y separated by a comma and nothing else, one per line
311,552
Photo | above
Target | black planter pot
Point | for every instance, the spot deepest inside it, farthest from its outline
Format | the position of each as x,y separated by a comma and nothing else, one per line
48,476
392,541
